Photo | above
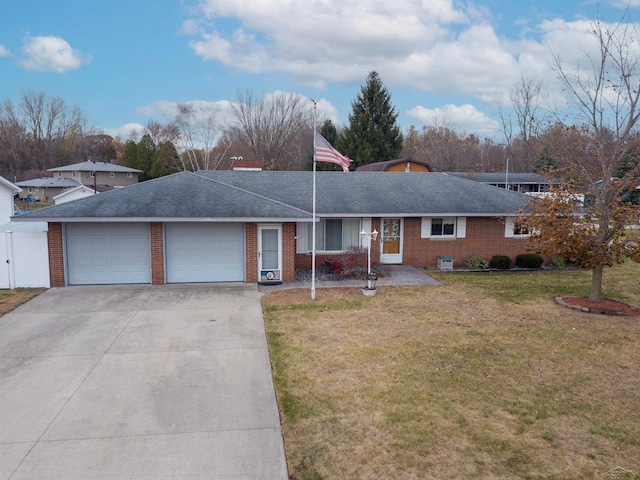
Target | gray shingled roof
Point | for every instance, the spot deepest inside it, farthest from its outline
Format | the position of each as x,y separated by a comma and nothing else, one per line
49,182
489,177
288,195
90,166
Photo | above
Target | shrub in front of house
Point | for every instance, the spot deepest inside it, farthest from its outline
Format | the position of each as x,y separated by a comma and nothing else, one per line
476,263
557,262
500,262
529,260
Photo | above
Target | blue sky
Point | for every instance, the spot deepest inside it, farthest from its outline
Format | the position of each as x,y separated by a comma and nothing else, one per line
124,62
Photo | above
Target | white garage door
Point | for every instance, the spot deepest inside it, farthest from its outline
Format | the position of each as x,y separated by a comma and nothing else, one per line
204,252
108,253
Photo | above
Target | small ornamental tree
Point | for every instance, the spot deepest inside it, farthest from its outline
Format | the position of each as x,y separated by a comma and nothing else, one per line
604,88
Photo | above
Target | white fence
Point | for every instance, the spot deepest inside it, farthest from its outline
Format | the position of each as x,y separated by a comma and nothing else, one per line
24,255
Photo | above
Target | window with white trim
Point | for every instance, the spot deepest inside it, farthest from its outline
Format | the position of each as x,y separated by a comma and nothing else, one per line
74,173
513,228
112,174
443,227
129,175
332,235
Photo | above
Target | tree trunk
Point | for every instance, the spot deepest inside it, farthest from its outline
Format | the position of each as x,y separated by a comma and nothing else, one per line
595,295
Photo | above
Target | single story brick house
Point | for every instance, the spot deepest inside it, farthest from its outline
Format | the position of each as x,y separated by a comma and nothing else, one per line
253,226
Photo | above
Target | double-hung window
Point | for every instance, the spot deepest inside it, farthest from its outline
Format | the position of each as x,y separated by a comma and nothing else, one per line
443,227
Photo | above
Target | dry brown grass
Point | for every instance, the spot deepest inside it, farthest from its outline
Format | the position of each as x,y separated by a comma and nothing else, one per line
456,381
11,299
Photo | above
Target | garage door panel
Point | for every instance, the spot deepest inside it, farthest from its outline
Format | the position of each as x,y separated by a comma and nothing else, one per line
108,254
208,252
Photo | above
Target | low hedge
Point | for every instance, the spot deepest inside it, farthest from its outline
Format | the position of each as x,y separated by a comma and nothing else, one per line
500,262
529,260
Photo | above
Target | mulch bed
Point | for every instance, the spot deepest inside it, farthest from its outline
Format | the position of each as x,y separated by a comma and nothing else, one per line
604,307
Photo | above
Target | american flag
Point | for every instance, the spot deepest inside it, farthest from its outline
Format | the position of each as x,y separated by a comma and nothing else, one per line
326,153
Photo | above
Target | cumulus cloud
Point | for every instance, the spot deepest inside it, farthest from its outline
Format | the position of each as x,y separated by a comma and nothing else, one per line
437,46
466,117
51,54
126,131
4,52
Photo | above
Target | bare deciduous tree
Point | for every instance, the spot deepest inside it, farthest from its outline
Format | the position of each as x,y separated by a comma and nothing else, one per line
269,124
199,129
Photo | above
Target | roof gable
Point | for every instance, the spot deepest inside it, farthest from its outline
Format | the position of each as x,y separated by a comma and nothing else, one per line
90,166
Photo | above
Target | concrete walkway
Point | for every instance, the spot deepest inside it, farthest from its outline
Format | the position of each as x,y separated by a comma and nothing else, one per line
398,275
138,383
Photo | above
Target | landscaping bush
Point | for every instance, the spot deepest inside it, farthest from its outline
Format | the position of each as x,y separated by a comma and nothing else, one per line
529,260
557,262
501,262
337,266
476,263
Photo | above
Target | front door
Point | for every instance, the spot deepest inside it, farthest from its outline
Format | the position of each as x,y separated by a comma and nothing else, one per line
391,239
269,253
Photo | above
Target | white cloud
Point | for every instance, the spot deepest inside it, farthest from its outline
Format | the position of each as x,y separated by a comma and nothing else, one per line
51,54
437,46
4,52
126,131
466,117
169,110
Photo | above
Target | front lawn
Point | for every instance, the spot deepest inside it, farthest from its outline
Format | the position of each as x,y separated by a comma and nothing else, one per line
12,299
482,377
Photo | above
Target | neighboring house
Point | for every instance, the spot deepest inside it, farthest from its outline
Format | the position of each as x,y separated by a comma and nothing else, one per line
399,165
93,173
45,188
78,192
252,226
7,192
24,258
518,182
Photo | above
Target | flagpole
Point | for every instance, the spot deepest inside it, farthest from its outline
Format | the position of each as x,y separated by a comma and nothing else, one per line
313,228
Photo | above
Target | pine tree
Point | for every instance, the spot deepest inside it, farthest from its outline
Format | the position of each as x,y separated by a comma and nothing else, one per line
372,135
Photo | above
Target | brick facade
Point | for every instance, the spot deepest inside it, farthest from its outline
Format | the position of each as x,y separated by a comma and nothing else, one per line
484,237
56,256
156,233
251,252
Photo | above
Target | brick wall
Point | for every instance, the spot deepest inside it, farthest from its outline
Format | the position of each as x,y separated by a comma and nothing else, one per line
157,253
56,258
251,252
288,252
484,238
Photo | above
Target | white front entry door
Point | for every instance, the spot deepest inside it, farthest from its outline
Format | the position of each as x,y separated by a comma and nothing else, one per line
391,241
269,253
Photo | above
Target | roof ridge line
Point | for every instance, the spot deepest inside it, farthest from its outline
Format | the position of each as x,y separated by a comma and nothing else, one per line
278,202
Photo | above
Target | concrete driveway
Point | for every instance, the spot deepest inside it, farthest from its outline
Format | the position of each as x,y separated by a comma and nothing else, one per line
138,382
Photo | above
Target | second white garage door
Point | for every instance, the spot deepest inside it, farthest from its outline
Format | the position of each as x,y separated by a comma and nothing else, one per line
204,252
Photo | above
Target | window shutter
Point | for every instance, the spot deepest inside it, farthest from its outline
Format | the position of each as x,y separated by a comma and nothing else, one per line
508,227
301,237
462,227
366,226
425,227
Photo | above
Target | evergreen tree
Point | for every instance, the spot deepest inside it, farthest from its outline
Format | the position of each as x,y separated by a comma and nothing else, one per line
372,135
544,162
166,160
146,156
130,154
